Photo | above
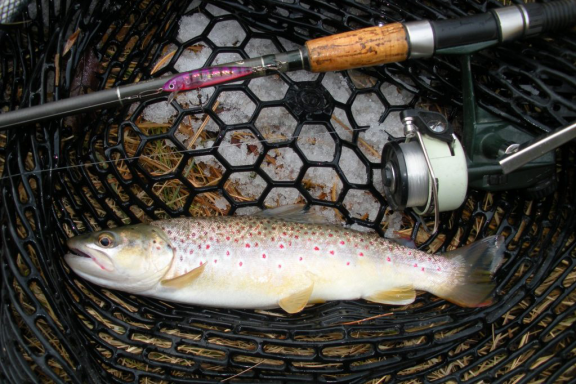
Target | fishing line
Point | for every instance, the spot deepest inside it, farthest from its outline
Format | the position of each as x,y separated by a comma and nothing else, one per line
226,145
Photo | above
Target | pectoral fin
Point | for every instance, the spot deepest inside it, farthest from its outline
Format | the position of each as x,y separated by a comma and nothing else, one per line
297,301
396,296
183,280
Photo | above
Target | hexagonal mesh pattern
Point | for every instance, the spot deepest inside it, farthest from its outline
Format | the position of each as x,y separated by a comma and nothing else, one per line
238,148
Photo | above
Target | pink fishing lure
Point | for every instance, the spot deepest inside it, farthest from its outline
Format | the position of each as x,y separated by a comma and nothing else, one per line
201,78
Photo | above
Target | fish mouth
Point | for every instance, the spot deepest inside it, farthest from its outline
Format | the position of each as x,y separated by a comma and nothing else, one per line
78,253
82,259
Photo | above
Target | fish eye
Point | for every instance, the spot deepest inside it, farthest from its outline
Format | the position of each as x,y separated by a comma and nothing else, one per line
106,240
171,86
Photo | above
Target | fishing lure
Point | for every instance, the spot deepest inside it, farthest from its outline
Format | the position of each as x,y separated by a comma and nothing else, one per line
206,77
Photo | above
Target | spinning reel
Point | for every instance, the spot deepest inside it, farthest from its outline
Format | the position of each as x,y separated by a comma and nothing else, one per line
430,172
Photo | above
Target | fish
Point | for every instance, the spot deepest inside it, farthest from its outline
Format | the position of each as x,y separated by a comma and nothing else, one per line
284,257
201,78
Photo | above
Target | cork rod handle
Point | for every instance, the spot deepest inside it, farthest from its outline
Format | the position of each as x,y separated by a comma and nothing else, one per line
362,48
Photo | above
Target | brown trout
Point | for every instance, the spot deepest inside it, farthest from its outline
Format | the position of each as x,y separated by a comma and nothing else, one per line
280,258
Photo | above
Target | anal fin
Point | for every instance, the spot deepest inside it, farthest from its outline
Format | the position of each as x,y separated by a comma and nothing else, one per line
183,280
297,301
397,296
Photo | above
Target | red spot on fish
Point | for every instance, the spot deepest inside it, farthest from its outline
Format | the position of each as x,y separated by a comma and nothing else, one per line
390,249
182,241
240,264
235,240
169,232
316,248
415,265
279,265
330,235
250,234
289,243
191,252
263,255
301,258
388,259
348,263
422,269
259,232
360,254
205,233
342,242
361,240
281,246
211,239
193,234
255,244
227,237
409,253
227,253
158,248
272,238
331,252
247,245
371,243
284,233
296,237
438,269
306,232
313,233
201,263
207,246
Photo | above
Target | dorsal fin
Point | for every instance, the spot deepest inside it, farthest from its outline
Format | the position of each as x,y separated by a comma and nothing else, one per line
183,280
296,213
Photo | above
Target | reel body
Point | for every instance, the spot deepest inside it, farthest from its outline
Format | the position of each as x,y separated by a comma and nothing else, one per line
426,172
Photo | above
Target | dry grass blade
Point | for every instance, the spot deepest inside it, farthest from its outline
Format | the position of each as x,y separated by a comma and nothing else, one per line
71,41
241,373
368,319
201,129
363,143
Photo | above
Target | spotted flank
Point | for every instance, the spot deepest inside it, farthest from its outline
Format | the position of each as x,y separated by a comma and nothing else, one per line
281,258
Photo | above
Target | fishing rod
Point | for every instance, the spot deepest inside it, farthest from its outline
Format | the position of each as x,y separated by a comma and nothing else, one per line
366,47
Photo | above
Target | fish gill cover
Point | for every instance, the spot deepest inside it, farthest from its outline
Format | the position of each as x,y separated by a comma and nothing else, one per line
239,148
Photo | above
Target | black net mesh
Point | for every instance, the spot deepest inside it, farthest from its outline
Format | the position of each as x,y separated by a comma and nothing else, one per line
150,161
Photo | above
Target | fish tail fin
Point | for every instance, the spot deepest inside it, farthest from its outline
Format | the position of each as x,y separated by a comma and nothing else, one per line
470,281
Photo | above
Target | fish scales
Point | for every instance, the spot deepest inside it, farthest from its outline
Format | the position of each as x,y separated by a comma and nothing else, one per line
271,257
266,261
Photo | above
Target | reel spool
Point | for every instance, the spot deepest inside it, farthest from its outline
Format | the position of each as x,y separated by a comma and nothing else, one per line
429,173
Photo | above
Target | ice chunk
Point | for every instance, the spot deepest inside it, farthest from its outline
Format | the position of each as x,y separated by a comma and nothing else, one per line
323,183
216,11
279,197
353,168
260,47
282,164
337,85
227,33
268,88
367,109
394,224
240,147
316,143
236,107
245,186
191,26
361,204
193,57
395,95
159,113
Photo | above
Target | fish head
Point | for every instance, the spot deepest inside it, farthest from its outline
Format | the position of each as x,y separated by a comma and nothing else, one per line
132,258
176,84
